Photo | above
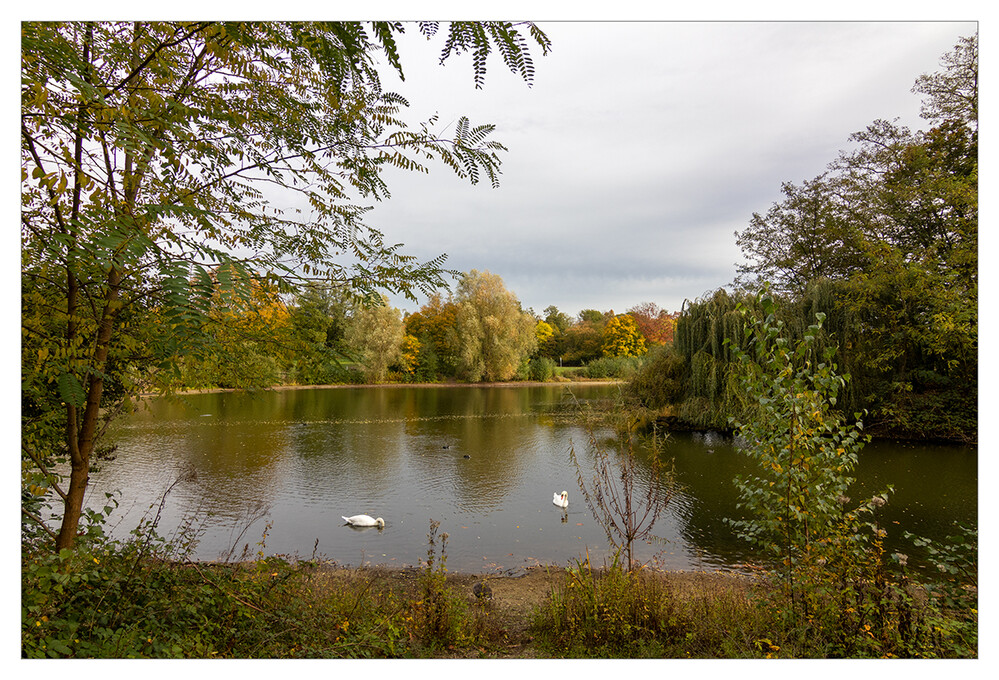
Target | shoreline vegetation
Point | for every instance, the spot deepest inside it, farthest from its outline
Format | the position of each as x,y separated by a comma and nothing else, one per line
140,600
330,386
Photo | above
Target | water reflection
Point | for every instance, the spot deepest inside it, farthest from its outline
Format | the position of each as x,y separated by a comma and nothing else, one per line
311,456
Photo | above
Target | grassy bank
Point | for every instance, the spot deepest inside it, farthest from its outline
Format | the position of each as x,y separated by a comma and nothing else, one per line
133,601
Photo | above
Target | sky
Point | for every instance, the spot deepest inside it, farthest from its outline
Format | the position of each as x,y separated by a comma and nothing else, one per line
643,146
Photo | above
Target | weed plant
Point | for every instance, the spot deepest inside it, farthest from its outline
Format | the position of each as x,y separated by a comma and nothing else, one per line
619,613
441,614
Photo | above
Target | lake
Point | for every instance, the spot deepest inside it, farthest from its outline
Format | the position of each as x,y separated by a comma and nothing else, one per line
274,472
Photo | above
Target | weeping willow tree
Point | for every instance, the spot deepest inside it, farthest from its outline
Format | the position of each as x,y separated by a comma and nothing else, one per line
712,393
697,379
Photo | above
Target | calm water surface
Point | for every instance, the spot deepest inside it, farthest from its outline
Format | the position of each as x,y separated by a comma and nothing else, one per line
483,461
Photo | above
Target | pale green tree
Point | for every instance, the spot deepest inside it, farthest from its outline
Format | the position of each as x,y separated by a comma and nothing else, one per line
494,335
376,335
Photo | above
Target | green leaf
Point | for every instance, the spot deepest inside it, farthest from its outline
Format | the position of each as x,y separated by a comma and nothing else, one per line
71,390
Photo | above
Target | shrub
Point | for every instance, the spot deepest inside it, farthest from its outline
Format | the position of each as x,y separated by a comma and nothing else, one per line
613,367
838,595
441,615
542,369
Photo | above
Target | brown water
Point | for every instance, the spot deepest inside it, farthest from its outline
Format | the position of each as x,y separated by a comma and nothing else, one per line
293,462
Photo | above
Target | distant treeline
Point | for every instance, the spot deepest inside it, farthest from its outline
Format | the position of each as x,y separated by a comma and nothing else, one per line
477,333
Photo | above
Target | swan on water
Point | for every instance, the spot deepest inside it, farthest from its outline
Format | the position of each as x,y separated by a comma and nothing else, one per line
364,521
561,500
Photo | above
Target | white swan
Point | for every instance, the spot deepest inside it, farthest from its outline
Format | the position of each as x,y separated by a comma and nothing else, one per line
561,500
364,521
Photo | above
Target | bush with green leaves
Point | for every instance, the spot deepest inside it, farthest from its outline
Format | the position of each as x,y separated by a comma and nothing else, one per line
803,449
542,369
614,367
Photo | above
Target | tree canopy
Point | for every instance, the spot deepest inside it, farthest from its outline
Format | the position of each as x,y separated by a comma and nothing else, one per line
495,336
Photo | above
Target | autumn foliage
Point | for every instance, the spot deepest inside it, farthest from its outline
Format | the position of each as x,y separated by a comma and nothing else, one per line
622,337
654,323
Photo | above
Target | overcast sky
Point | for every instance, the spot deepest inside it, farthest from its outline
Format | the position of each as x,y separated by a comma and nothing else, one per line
642,147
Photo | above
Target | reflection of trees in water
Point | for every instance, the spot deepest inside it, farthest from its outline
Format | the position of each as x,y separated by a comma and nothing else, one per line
500,448
704,465
237,459
497,427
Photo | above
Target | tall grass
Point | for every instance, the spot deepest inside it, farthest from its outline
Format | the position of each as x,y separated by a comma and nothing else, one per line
617,613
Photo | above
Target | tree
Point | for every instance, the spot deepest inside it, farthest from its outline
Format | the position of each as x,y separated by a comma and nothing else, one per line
553,346
248,341
376,333
622,337
804,237
543,332
154,153
912,192
583,341
319,327
952,94
494,335
409,356
656,325
433,325
593,316
893,225
556,319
